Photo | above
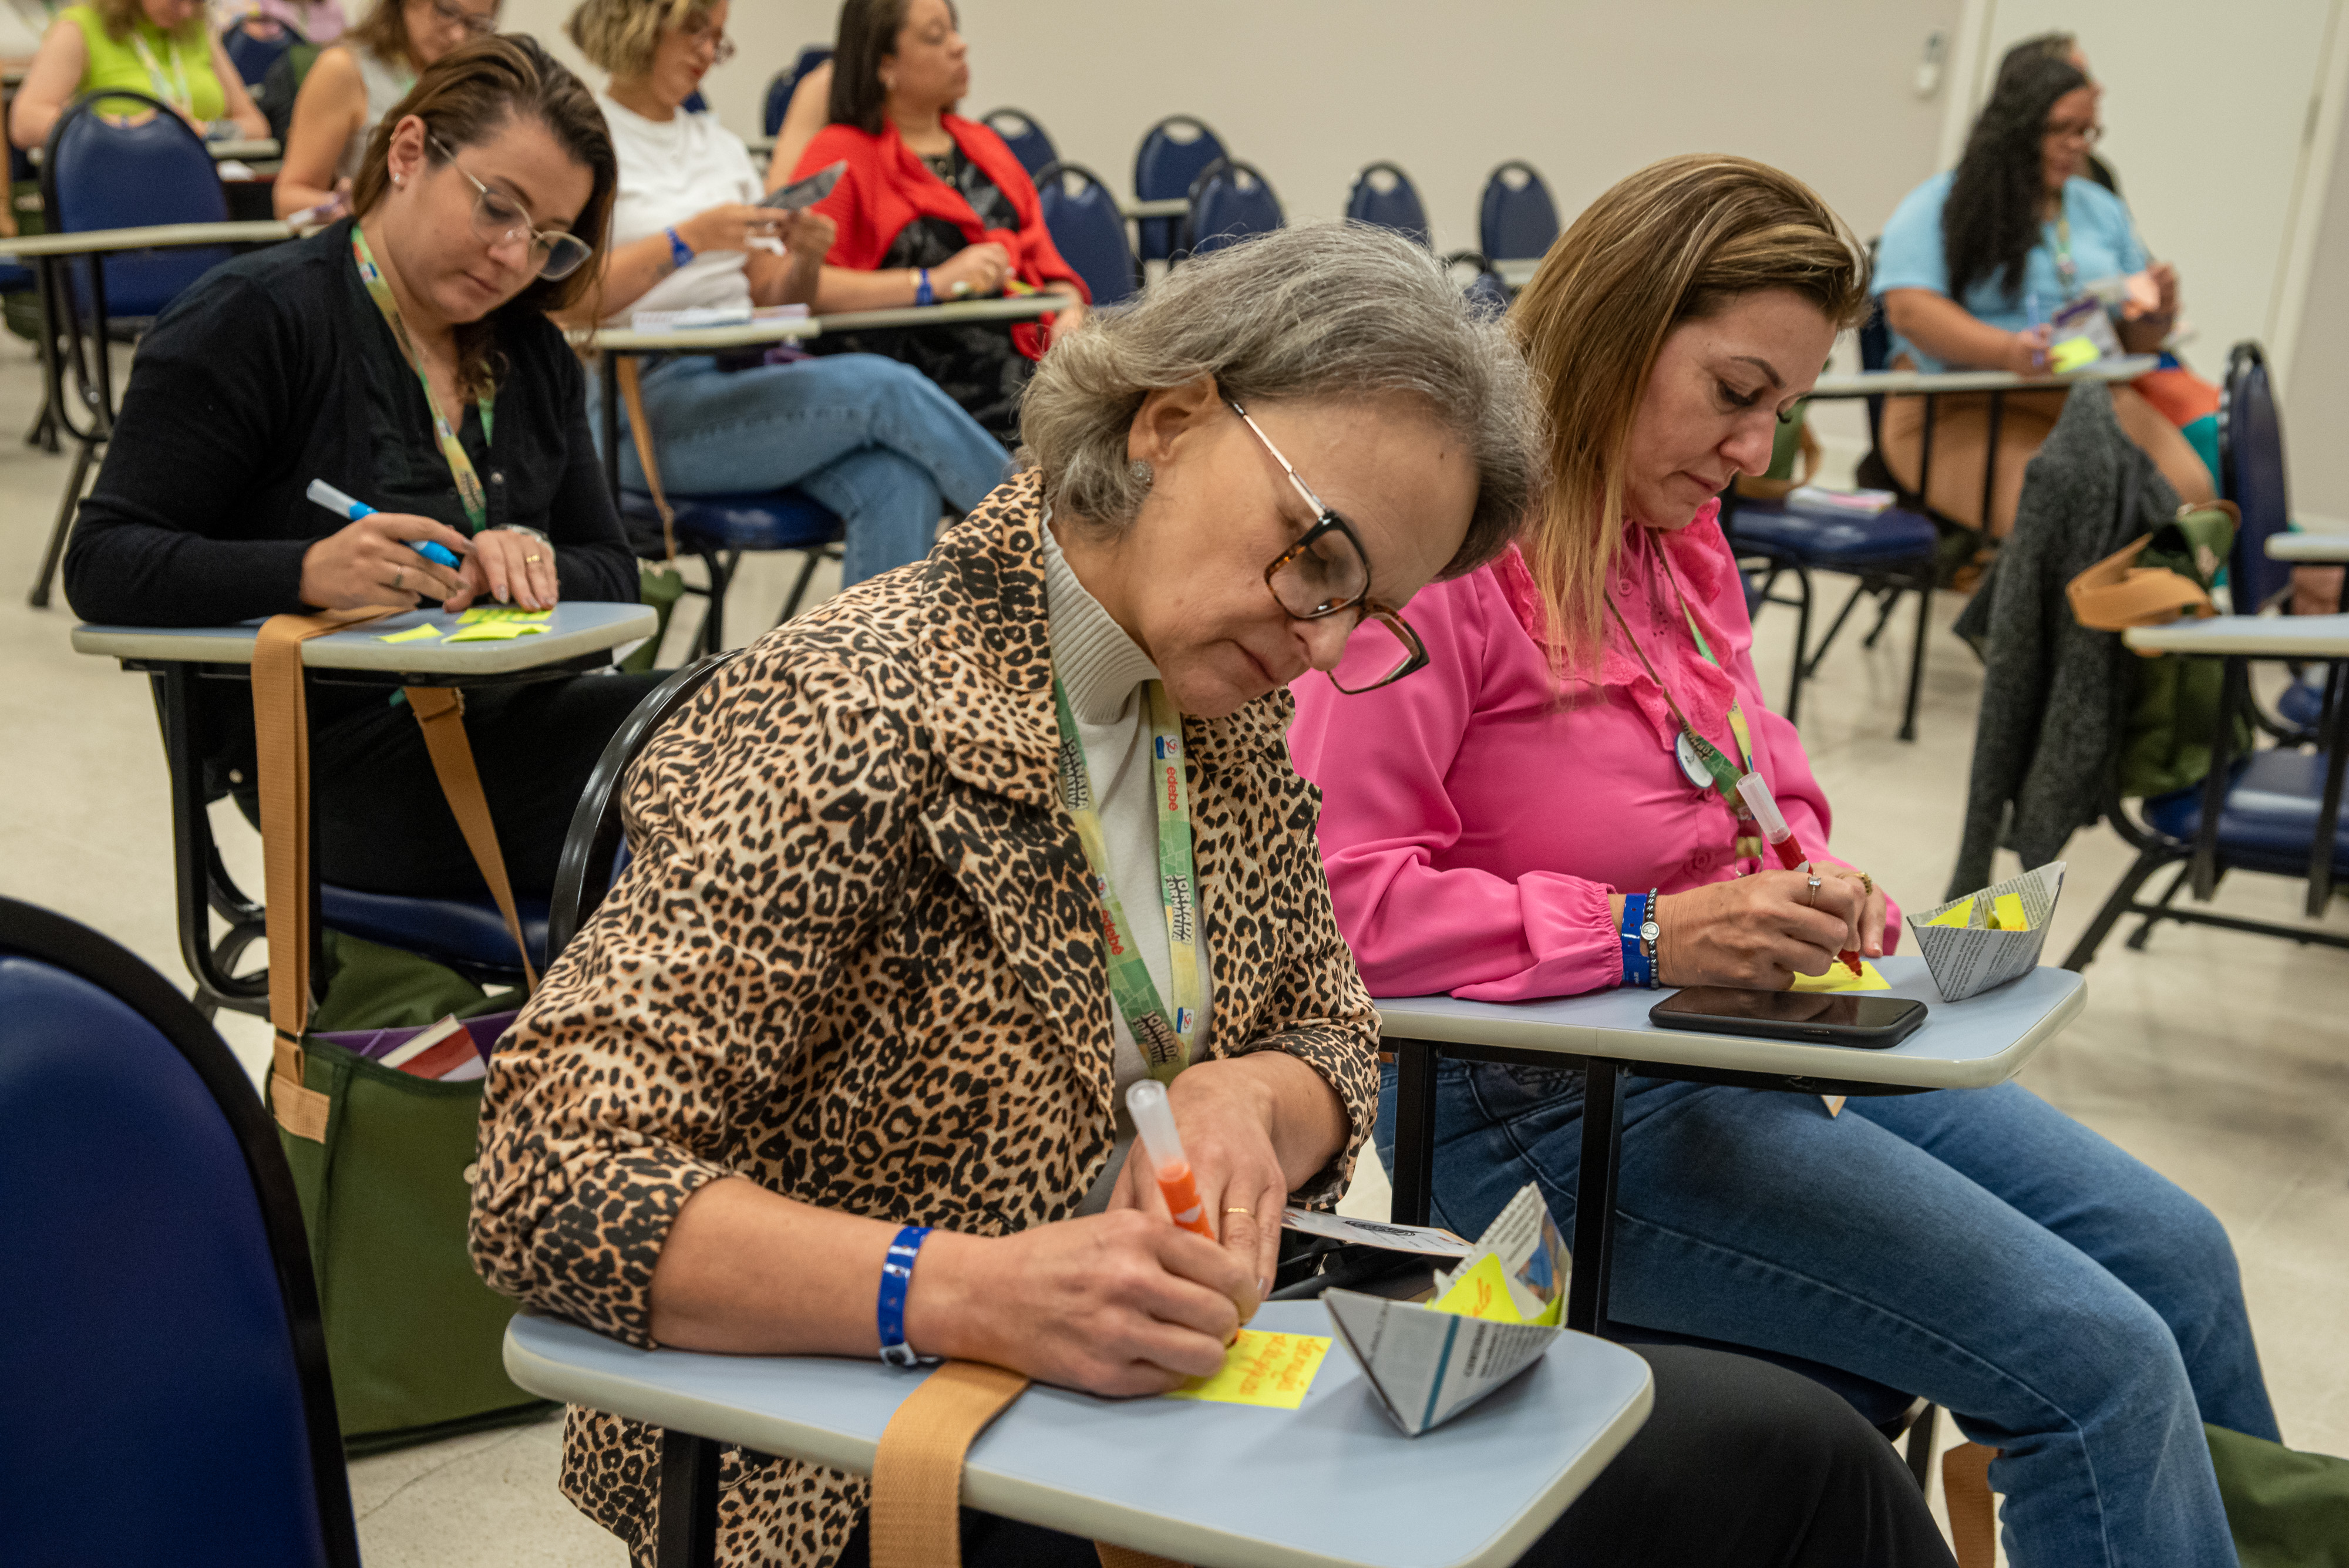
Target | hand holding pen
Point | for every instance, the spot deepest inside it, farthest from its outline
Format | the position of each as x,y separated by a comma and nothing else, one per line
382,558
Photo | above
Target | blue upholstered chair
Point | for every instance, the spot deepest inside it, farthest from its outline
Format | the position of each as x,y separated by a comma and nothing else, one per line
1173,155
1384,194
1090,231
787,80
1229,202
161,1311
100,174
1027,140
1515,218
253,56
720,529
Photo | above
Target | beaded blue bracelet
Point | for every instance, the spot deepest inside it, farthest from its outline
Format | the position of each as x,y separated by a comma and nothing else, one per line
680,254
896,1275
1638,969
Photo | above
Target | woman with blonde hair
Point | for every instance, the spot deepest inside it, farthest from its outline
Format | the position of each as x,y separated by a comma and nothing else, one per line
1549,809
163,48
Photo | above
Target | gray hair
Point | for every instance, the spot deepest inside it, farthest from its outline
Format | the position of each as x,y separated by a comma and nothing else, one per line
1314,312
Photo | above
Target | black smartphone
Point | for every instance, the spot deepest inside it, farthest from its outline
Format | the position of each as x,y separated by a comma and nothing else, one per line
1827,1017
807,193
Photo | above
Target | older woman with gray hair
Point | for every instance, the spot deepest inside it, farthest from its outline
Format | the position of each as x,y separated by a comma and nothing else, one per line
928,878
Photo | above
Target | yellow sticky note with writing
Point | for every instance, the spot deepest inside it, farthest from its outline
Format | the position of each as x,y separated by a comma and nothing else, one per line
493,631
1274,1370
413,634
481,613
1838,978
1955,915
1482,1291
2006,913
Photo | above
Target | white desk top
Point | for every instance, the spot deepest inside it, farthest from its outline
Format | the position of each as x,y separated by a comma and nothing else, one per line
1967,1044
2328,549
2259,636
1165,207
797,329
1519,271
159,236
576,629
251,148
1874,383
1221,1486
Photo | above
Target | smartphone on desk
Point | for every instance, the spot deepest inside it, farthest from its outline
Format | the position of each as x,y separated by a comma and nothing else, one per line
1810,1017
807,193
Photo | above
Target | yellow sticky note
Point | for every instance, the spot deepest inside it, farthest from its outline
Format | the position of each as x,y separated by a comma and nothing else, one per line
2006,913
1955,915
2072,354
493,631
1274,1370
413,634
481,613
1482,1291
1838,978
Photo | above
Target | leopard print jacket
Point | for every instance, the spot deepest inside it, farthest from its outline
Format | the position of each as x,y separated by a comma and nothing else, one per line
855,958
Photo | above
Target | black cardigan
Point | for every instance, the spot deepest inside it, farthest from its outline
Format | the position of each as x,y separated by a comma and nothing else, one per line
276,369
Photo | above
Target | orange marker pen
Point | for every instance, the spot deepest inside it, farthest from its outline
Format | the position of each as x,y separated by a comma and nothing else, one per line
1153,1119
1756,791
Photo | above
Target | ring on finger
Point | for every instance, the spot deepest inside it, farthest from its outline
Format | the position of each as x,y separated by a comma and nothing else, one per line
529,559
1814,887
1235,1211
399,577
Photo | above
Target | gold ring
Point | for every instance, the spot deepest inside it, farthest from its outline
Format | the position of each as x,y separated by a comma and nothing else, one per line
526,560
398,574
1239,1212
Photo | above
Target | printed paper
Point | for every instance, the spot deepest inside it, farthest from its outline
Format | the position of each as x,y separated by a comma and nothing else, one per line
1274,1370
1986,938
1492,1316
1432,1240
1838,978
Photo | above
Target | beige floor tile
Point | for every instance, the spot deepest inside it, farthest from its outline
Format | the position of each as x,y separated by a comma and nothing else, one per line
488,1500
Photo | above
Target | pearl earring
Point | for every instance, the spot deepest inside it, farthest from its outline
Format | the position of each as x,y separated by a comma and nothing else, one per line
1143,472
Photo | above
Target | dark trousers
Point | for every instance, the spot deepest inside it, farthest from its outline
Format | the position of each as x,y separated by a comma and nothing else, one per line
383,825
1740,1464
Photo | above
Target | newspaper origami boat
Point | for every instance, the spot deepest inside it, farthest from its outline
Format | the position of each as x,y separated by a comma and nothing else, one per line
1989,938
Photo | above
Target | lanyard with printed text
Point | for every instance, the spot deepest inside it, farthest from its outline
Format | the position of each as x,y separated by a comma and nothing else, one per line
452,451
1165,1041
173,88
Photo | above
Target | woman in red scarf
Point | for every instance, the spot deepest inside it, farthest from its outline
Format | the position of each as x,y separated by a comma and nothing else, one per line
931,208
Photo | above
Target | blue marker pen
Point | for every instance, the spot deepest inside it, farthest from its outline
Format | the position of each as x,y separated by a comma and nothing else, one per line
335,500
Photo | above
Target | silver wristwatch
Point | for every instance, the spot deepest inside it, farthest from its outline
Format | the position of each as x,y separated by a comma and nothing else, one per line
1650,933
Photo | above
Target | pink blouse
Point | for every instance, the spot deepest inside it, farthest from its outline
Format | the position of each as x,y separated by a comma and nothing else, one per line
1475,820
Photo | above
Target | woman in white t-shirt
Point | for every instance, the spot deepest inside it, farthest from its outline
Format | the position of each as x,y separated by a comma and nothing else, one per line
867,437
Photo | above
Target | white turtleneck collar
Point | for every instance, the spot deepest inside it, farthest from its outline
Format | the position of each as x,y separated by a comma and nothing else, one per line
1098,663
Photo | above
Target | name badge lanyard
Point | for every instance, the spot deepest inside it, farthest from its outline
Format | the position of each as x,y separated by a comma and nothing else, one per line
1166,1040
1700,759
173,89
452,451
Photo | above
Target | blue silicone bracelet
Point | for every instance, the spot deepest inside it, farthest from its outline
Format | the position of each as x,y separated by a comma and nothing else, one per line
896,1275
679,254
923,293
1638,968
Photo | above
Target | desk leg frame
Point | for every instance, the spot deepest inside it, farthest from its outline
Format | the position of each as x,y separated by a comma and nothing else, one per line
1594,1207
688,1502
1414,1166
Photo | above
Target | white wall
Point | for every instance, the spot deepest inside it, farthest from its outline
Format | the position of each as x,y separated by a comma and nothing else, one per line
2316,399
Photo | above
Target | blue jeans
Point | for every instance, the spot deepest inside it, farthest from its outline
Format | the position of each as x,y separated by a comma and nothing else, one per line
2068,1306
869,438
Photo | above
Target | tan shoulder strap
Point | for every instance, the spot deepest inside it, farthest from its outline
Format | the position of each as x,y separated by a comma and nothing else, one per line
440,712
2116,593
1973,1517
917,1469
281,723
640,431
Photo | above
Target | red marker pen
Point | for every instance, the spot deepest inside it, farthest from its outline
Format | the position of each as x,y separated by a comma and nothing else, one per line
1756,792
1153,1118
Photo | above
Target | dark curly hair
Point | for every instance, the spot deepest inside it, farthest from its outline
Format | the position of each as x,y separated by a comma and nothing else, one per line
1991,218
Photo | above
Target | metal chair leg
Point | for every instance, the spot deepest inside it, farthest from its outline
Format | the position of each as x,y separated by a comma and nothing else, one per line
1802,646
39,598
1917,654
1919,1452
2083,952
811,555
2138,938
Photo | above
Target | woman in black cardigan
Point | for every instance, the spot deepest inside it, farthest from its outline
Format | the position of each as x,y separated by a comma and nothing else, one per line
480,206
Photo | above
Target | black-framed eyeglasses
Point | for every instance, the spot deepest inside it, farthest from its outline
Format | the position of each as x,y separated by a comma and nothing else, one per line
697,29
498,218
475,26
1328,573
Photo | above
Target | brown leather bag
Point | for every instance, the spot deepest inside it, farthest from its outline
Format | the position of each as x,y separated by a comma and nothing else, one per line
2116,593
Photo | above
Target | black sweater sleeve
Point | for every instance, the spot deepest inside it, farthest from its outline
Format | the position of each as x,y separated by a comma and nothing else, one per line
168,535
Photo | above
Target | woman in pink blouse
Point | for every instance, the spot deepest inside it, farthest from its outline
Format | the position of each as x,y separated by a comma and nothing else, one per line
1492,825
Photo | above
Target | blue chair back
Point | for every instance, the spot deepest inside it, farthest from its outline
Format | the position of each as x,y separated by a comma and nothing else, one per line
96,174
1090,231
1516,220
786,82
252,56
161,1307
1173,155
1384,194
1027,140
1231,201
2252,474
1875,349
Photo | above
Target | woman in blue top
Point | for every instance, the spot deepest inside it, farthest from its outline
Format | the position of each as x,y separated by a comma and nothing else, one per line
1976,260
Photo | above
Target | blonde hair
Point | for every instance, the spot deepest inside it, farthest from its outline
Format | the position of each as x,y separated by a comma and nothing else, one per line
1678,240
122,15
622,36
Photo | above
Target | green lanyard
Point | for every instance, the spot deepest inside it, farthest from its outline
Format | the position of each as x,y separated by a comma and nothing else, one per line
1724,773
1166,1043
164,85
452,451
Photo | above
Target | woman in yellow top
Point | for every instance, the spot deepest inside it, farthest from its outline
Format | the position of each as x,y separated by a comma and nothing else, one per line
162,47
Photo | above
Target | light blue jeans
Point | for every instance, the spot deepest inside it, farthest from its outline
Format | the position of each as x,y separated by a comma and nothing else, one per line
872,439
2067,1305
